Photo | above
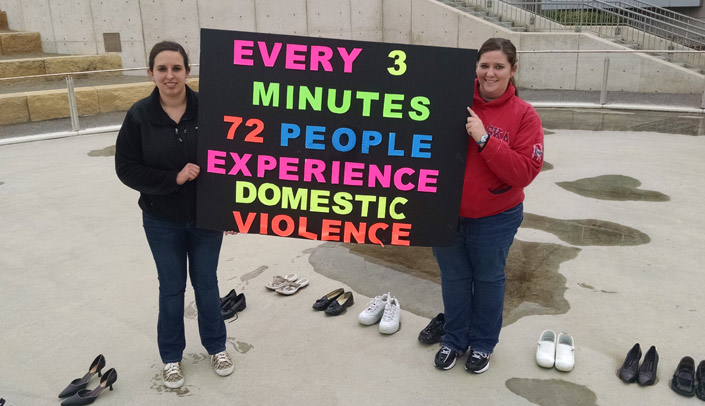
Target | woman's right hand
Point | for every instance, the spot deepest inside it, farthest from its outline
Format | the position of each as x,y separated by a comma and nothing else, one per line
190,172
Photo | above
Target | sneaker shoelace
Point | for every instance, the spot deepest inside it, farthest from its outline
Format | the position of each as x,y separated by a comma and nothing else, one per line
378,300
479,355
221,360
173,371
445,351
390,312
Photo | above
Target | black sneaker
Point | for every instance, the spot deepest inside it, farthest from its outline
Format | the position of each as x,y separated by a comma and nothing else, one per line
478,362
445,358
433,333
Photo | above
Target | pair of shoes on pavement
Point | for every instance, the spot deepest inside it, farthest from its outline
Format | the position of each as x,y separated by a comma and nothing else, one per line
335,303
477,362
231,304
173,376
286,285
384,309
434,331
556,351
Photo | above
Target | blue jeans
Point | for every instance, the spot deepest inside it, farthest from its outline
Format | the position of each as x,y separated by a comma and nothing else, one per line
472,279
172,244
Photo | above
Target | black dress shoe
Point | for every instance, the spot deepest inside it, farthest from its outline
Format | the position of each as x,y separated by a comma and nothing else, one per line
629,371
325,301
339,305
233,306
80,383
230,296
683,382
700,381
433,333
647,370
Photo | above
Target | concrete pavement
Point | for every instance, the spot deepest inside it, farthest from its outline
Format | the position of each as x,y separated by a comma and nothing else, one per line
610,252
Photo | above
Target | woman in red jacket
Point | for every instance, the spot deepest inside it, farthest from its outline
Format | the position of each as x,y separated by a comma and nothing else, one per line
505,154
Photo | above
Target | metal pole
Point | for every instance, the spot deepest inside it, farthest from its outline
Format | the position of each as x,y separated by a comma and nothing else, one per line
702,101
72,104
603,91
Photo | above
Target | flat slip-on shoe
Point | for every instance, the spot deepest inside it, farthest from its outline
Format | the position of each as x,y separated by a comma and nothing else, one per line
565,353
647,370
278,281
233,306
700,381
546,351
290,288
325,301
339,305
683,382
230,296
629,372
80,383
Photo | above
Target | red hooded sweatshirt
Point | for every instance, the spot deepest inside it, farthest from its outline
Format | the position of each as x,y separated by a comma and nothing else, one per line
496,176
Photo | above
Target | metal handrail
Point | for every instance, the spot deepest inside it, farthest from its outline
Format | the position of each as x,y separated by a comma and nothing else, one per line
85,72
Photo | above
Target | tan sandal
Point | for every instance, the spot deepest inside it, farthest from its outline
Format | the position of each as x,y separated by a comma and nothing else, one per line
278,281
292,287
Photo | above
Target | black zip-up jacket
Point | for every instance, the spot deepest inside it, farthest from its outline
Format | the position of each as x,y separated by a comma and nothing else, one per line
150,151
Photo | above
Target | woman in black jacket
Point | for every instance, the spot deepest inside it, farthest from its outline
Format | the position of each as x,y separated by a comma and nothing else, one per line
156,155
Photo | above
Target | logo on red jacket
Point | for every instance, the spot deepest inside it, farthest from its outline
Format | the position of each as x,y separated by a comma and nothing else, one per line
538,153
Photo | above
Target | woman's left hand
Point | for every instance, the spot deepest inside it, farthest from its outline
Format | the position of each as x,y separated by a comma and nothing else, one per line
231,233
474,126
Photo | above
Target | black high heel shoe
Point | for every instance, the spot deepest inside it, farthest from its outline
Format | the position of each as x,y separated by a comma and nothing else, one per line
80,383
86,397
630,369
647,370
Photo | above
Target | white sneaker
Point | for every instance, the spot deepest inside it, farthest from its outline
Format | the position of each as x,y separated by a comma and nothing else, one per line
546,352
565,352
390,318
172,375
222,364
375,308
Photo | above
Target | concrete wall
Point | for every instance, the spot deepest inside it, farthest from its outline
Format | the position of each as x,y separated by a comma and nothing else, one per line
77,27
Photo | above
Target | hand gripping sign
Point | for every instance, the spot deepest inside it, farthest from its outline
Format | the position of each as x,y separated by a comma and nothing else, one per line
332,140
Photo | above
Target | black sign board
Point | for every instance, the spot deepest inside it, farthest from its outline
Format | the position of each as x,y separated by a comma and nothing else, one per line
332,140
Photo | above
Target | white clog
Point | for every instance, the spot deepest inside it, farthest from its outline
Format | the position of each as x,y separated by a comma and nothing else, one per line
565,353
546,351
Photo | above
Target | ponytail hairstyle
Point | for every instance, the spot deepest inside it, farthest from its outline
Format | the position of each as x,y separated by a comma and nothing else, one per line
507,48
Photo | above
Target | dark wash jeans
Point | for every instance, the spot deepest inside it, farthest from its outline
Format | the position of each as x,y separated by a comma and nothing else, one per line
172,245
472,279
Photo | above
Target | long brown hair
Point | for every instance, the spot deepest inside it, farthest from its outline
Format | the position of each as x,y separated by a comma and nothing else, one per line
507,48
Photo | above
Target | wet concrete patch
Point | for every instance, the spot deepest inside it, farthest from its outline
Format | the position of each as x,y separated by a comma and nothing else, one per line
615,120
239,346
552,392
613,187
534,285
587,231
547,166
107,151
253,274
592,288
2,183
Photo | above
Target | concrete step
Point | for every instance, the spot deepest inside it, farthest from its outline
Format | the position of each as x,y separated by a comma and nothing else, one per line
58,64
43,105
12,43
3,21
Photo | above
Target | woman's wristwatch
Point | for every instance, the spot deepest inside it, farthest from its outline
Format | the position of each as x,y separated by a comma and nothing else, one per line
483,139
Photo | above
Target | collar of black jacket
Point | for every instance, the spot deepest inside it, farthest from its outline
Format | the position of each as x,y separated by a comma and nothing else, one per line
158,116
